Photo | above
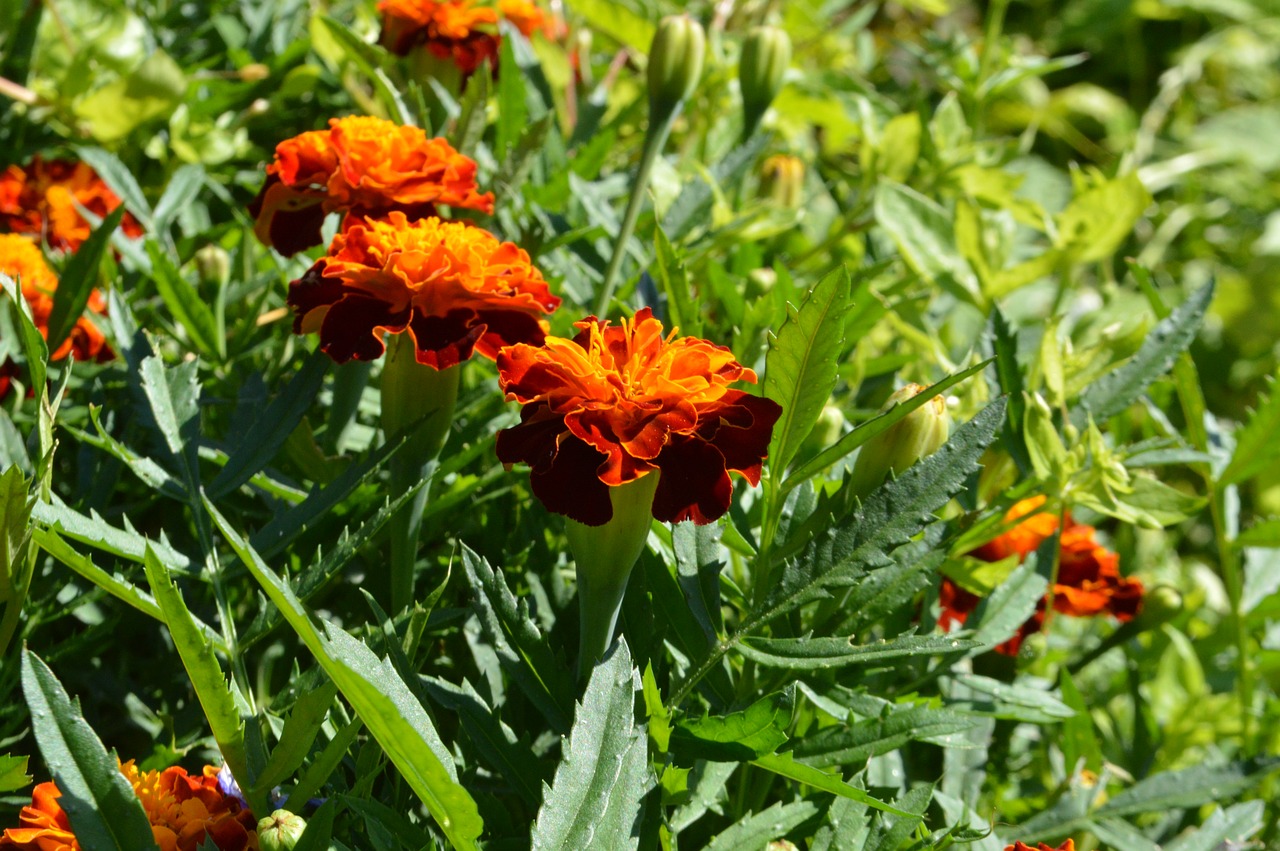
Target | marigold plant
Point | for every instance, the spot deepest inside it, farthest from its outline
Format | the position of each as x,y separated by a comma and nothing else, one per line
618,402
360,166
41,200
458,30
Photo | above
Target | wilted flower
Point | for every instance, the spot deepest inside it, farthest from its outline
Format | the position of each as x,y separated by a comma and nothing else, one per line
1089,581
41,200
186,812
458,30
617,403
20,259
453,287
360,166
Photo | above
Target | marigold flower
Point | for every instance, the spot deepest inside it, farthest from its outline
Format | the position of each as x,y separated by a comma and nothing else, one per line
458,30
616,403
1089,581
22,260
360,166
454,287
41,200
1067,845
186,812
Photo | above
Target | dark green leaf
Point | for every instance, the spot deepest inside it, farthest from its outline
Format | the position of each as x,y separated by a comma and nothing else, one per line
1190,787
784,765
856,743
755,830
814,654
183,188
300,731
1256,446
185,304
756,731
77,281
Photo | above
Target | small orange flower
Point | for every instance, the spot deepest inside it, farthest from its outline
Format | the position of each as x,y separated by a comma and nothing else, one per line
1068,845
360,166
452,286
185,812
1089,581
619,402
41,200
21,259
458,29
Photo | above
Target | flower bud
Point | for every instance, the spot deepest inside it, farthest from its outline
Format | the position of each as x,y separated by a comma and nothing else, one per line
1160,605
280,831
214,264
254,72
826,431
766,53
760,282
917,435
782,181
675,63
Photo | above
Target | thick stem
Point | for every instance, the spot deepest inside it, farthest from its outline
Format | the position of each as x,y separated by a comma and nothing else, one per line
418,401
604,556
654,140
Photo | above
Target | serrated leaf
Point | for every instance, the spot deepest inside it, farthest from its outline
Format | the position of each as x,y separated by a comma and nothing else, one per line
925,235
698,565
380,697
755,830
78,279
299,733
816,654
854,744
512,112
596,798
673,280
1190,787
272,427
1229,827
100,803
1256,446
1012,700
13,773
93,530
756,731
801,365
1115,391
785,765
210,685
522,649
34,347
692,205
174,397
1264,534
185,304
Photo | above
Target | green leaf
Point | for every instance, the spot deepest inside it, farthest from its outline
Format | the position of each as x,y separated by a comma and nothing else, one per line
186,305
370,59
784,765
174,397
512,112
801,365
13,773
124,543
1264,534
1256,446
596,798
854,744
815,654
34,347
272,427
522,649
1190,787
673,281
1229,827
381,699
211,687
617,21
300,731
1079,741
151,90
924,233
1098,220
756,830
99,802
998,617
1017,701
1115,391
183,188
77,281
469,128
693,205
878,425
319,832
756,731
121,181
698,566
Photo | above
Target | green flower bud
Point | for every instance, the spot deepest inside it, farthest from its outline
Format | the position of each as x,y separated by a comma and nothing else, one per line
675,63
214,264
766,53
782,181
280,831
1160,605
826,431
917,435
760,281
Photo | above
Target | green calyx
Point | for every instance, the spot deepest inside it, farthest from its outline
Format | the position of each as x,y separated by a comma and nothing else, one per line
280,831
917,435
766,54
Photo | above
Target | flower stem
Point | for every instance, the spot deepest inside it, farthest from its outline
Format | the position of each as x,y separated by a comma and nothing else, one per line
417,400
654,140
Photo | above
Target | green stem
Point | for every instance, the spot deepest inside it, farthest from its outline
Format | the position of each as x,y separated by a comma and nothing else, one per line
654,140
419,399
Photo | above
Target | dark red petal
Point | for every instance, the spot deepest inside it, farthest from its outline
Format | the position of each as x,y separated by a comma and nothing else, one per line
741,431
694,484
287,220
349,327
569,484
507,328
311,291
533,441
444,341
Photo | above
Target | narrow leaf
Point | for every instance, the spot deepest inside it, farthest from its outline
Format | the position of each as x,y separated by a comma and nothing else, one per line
815,654
185,304
77,281
784,765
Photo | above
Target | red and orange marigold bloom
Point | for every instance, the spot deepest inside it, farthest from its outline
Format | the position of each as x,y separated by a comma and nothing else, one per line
22,260
458,30
618,402
1067,845
360,166
41,200
185,811
452,286
1089,581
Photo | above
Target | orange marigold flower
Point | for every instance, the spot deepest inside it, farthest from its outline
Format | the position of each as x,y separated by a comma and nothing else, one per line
22,260
1089,581
458,29
186,812
1067,845
452,286
618,402
41,199
360,166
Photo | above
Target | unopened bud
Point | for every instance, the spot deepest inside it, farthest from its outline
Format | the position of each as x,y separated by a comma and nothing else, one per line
766,53
782,181
760,281
280,831
917,435
254,72
214,264
826,431
675,63
782,845
1160,605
